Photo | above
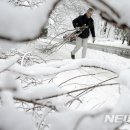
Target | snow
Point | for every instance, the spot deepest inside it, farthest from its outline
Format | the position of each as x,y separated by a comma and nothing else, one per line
125,92
82,120
94,58
125,78
12,119
8,81
26,23
121,7
98,67
65,65
95,100
110,42
7,98
79,121
5,64
106,62
41,91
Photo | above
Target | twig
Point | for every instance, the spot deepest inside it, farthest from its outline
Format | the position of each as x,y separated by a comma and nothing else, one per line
36,103
99,84
75,78
82,89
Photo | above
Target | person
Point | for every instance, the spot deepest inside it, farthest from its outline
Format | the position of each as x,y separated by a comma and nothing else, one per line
85,25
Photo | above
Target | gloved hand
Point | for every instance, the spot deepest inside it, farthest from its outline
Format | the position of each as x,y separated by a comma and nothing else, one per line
93,39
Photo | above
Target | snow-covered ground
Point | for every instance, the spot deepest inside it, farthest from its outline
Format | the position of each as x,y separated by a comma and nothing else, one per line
99,98
93,100
64,52
70,79
111,42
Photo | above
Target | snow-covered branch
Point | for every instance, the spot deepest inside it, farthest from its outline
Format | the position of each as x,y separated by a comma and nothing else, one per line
5,64
56,67
113,11
26,24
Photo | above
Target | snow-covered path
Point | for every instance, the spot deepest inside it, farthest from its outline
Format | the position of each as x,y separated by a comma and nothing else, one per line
106,45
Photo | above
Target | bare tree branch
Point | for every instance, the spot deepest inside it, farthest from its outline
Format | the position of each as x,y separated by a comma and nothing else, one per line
75,78
36,103
82,89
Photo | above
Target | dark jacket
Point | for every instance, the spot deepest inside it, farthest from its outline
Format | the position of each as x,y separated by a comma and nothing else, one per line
82,20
